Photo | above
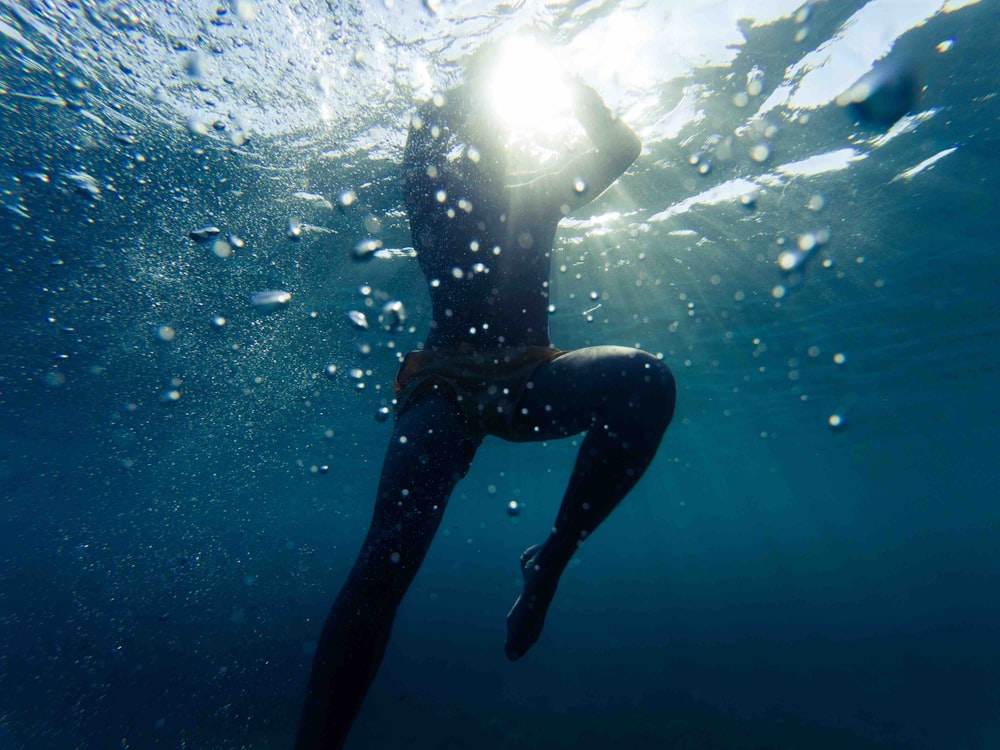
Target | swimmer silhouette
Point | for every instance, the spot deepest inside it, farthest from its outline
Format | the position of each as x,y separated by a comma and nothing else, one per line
484,243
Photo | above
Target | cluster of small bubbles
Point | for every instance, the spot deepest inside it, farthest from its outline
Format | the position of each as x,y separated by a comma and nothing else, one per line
358,320
165,333
347,198
293,230
382,414
357,375
801,16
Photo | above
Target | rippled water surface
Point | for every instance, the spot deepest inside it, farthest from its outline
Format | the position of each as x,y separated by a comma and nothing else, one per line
197,194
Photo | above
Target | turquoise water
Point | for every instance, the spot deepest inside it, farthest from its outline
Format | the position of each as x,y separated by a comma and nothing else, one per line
182,496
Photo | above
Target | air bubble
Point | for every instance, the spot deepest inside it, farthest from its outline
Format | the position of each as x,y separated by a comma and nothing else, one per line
358,320
365,250
393,316
270,300
203,234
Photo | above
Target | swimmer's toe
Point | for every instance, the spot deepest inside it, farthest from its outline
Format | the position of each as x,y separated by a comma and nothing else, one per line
527,556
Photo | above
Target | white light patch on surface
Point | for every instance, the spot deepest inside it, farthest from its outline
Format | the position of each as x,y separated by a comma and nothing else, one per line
929,162
906,124
727,191
866,37
832,161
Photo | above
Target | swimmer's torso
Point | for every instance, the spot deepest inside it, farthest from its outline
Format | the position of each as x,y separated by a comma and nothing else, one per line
484,250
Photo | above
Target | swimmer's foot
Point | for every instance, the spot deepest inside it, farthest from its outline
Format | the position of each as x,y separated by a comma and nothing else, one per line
526,617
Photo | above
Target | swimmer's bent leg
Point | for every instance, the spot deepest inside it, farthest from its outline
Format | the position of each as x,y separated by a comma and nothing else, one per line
430,450
625,398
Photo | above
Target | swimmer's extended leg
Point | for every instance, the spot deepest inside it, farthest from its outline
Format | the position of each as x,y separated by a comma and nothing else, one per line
625,398
429,452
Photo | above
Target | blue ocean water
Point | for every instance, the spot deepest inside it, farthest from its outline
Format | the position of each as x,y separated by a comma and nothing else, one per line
810,562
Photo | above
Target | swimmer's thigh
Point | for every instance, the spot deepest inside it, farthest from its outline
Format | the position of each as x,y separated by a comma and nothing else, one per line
573,392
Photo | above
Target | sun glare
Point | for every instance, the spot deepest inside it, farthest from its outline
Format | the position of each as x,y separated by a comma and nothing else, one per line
529,88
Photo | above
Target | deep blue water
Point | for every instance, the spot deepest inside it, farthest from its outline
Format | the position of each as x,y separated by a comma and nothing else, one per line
166,559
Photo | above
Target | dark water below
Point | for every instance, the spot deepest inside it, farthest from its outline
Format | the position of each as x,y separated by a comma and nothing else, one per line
166,560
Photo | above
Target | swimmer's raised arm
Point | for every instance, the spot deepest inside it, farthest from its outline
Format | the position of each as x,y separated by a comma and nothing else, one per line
584,178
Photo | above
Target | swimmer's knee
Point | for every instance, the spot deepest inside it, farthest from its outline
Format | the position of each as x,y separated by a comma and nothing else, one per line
653,390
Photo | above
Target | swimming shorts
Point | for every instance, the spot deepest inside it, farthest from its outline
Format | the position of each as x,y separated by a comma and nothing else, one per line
485,385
